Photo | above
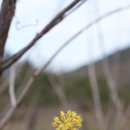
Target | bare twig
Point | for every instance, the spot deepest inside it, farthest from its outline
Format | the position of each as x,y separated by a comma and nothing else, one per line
109,77
82,30
58,90
12,85
10,109
95,89
5,84
15,57
96,96
57,19
114,94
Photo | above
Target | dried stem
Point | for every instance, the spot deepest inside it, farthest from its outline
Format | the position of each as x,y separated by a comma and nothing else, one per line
96,96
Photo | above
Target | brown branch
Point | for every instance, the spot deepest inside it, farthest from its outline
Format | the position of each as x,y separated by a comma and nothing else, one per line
15,57
6,15
57,19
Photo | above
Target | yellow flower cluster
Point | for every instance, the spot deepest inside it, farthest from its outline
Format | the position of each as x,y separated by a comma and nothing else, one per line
67,121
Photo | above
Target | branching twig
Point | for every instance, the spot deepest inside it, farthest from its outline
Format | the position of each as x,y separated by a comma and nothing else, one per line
15,57
57,19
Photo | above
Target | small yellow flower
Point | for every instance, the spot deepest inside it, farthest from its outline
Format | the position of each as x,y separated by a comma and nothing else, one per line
67,121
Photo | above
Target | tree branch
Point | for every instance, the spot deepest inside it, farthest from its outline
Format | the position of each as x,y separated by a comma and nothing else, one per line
57,19
6,15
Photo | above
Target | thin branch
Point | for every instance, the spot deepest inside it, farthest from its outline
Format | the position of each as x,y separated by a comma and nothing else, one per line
15,57
12,85
109,78
96,96
8,111
114,94
5,84
95,87
57,19
82,30
58,90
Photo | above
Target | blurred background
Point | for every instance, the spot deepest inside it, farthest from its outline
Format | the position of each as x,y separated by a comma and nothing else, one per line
82,64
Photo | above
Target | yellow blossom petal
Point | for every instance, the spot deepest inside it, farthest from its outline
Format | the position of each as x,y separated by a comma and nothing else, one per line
67,121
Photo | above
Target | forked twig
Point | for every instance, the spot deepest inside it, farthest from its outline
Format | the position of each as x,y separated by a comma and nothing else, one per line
57,19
